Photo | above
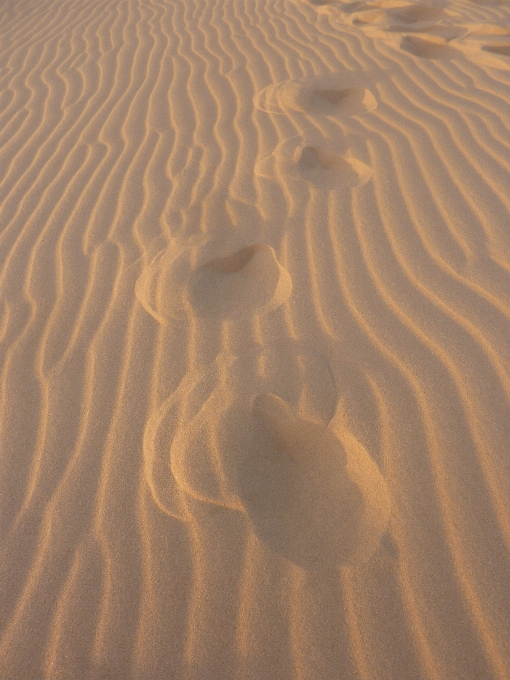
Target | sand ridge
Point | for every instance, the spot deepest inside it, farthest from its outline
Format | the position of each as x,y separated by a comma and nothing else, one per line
254,321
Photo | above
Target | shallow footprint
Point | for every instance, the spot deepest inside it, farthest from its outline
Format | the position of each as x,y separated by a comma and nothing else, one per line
245,283
317,165
427,49
314,497
328,95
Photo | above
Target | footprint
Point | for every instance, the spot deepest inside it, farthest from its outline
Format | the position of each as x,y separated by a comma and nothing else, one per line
357,6
247,282
427,49
328,95
325,169
487,44
313,496
329,171
200,438
417,18
411,14
492,54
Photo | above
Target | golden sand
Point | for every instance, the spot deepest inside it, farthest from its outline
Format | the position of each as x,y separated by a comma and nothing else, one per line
255,340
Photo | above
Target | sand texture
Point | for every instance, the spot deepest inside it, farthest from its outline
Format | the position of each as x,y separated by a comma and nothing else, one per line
255,340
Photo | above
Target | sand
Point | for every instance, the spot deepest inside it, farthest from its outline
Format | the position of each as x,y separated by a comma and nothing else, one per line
255,340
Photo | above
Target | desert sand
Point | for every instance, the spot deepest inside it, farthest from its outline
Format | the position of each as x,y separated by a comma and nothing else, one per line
255,340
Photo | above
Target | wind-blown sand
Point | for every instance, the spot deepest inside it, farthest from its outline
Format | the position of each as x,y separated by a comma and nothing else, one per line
255,340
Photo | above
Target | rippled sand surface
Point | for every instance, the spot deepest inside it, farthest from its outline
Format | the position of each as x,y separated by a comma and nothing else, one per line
255,340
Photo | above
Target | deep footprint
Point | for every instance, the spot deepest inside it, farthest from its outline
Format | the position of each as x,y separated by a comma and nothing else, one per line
245,283
199,440
315,498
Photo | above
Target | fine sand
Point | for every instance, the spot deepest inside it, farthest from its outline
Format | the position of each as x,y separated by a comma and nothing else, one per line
255,340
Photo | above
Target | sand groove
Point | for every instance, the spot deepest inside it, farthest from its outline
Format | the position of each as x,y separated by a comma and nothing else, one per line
255,309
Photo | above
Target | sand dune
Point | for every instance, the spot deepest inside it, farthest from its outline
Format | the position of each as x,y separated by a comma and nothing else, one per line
254,324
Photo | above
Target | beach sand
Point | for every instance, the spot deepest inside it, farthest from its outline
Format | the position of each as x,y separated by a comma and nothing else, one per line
255,340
